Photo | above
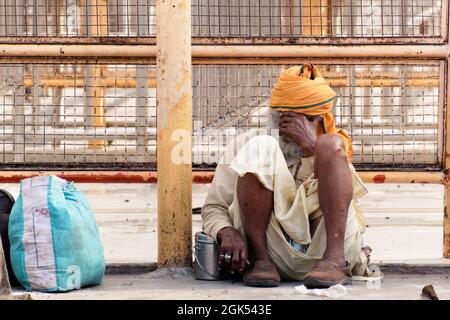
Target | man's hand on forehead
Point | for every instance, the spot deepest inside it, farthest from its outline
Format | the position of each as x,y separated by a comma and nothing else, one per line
301,130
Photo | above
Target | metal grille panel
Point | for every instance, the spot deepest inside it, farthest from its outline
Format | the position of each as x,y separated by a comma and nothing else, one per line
77,18
80,116
391,111
317,18
224,19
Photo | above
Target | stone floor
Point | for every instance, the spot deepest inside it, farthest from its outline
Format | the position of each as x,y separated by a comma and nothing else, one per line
146,286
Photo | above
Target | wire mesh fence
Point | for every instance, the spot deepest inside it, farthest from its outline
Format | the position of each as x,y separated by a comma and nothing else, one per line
294,19
317,18
62,116
80,116
77,18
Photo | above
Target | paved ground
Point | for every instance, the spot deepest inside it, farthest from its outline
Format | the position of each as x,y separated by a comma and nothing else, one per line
398,287
404,227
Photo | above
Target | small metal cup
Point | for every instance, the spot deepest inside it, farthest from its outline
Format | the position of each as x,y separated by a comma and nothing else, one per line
206,264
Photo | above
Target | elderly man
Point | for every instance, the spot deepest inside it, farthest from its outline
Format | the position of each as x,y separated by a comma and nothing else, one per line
287,209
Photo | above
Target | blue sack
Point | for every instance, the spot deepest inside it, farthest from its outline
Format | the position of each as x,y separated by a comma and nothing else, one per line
55,243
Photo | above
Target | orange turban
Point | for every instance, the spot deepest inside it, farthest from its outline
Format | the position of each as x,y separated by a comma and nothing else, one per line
302,89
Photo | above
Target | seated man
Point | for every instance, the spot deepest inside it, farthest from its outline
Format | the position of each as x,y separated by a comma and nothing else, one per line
286,209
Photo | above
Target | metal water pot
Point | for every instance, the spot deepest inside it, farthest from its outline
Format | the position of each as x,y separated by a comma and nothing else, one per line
206,265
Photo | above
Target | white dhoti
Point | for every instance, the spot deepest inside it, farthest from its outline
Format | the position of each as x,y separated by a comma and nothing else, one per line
294,205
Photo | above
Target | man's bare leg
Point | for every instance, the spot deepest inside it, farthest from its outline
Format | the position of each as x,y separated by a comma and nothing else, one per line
256,204
335,194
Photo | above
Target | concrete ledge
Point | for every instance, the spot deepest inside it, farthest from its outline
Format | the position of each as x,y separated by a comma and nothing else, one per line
399,269
130,268
428,266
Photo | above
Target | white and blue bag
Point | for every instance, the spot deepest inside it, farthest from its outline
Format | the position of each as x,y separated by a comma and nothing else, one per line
55,243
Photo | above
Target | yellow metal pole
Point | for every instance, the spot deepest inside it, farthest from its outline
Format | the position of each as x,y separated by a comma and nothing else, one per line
446,229
446,233
174,122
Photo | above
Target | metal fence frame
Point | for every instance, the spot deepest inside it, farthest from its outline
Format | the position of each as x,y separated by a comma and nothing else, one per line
101,36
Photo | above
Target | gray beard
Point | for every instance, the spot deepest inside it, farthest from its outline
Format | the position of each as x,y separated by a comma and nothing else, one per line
290,149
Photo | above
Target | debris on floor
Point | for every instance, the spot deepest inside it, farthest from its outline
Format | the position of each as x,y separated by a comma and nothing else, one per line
334,292
428,293
170,273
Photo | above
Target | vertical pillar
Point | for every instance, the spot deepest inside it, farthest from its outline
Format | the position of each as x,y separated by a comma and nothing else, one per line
287,18
142,86
98,26
174,134
141,113
446,233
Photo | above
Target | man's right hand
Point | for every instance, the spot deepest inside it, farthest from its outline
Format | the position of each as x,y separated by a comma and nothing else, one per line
233,251
301,129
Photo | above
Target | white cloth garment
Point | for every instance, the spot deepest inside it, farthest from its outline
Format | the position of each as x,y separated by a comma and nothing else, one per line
296,202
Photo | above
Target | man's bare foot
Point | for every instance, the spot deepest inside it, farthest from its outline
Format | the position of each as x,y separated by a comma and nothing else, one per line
262,274
327,273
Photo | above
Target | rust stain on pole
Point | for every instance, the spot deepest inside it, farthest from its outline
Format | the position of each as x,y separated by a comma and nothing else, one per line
174,122
446,231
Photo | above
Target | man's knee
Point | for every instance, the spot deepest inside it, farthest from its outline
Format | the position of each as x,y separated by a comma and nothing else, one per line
330,147
249,184
263,142
250,189
258,155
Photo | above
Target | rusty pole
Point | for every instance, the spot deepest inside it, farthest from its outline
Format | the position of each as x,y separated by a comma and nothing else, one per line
174,131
